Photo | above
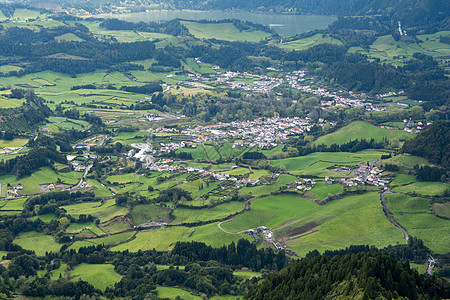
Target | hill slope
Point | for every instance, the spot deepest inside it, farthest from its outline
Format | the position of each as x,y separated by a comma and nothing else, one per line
432,144
352,276
361,130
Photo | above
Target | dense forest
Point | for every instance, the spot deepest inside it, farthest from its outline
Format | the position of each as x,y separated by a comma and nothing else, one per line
366,275
432,144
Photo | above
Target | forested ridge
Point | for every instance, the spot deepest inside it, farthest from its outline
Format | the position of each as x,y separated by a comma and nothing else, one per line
366,275
432,144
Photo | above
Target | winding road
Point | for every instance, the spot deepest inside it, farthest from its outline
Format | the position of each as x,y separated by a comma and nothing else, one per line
388,215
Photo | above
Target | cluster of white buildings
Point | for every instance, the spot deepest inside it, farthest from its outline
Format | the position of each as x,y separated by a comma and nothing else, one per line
261,132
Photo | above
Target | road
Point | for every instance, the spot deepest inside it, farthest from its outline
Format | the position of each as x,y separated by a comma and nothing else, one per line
431,262
388,215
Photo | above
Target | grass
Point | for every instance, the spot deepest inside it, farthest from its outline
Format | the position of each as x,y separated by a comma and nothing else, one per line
423,188
75,228
441,209
317,163
361,130
45,218
406,161
171,293
223,31
183,215
111,240
421,268
44,175
401,179
105,211
145,212
429,228
61,271
15,204
164,239
269,211
99,275
351,220
309,42
261,190
40,243
401,203
247,274
69,37
17,142
9,102
322,191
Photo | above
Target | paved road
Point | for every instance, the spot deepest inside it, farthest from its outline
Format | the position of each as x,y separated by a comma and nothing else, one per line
431,262
388,215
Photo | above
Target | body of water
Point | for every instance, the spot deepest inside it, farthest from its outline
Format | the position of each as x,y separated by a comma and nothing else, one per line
283,24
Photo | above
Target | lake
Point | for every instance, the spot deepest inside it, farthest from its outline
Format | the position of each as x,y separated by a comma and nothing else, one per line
283,24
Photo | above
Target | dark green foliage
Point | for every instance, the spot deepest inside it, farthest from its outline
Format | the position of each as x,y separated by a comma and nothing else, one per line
43,154
370,274
149,88
391,168
427,173
253,155
174,195
432,143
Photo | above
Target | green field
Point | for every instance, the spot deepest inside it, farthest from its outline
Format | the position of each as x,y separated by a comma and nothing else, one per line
100,276
318,163
223,31
183,215
322,191
246,274
164,239
309,42
105,211
351,220
432,230
442,209
261,190
145,212
401,203
406,161
270,212
424,188
172,293
40,243
17,142
361,130
399,52
401,179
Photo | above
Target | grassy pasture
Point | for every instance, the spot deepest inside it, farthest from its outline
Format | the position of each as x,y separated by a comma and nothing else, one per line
145,212
164,239
401,179
441,209
424,188
99,275
9,102
14,204
401,203
246,274
45,175
432,230
351,220
183,215
260,190
361,130
165,292
17,142
407,161
105,211
269,211
110,240
223,31
45,218
305,43
25,14
322,191
38,242
69,37
316,163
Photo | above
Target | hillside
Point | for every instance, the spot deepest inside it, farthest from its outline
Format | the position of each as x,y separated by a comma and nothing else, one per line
361,130
352,276
432,144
